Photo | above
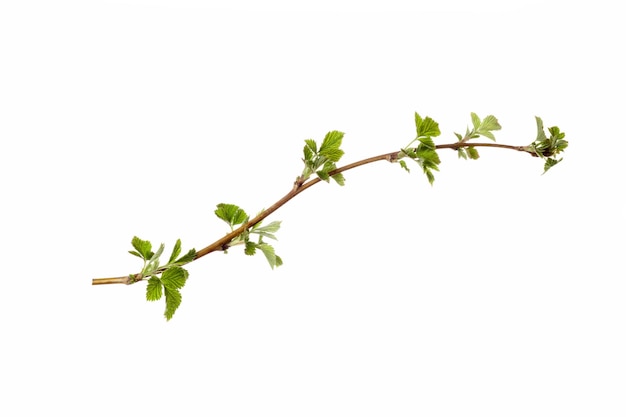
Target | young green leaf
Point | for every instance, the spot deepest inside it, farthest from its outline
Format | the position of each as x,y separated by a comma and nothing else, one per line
267,231
231,214
426,127
175,252
339,179
268,251
475,121
174,277
186,258
250,248
143,247
330,146
154,289
472,152
173,299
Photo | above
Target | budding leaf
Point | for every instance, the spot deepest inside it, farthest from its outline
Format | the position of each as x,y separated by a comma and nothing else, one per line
472,153
154,289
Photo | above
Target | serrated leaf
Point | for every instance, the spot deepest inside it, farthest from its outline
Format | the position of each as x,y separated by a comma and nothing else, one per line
430,176
332,154
154,289
250,248
173,299
157,255
268,251
310,143
279,261
339,179
231,214
175,252
426,127
267,231
550,162
186,258
475,120
323,175
487,134
427,142
143,247
331,143
174,277
490,123
472,153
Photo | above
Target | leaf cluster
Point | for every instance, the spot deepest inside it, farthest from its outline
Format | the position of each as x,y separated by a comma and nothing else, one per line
484,127
425,153
322,160
167,279
235,216
547,147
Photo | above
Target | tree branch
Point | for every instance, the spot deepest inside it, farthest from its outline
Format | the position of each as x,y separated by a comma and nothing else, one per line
299,186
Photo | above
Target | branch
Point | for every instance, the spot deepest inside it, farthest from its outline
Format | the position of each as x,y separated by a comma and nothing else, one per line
299,186
166,279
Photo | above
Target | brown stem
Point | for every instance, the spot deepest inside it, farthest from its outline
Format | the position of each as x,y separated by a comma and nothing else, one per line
299,186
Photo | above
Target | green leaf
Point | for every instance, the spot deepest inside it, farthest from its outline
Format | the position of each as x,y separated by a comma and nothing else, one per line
157,255
339,179
333,155
173,299
267,231
132,252
323,175
330,146
472,152
268,251
550,162
458,135
426,127
427,143
175,252
174,277
143,247
186,258
231,214
250,248
310,143
475,121
541,135
462,153
154,289
403,165
490,123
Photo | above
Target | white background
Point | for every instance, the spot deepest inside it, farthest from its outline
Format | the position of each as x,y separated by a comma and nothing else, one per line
496,292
